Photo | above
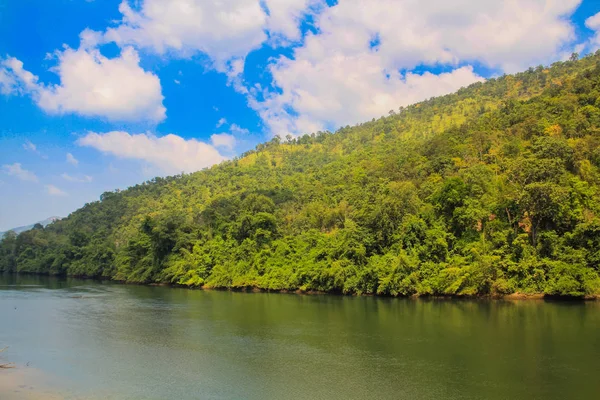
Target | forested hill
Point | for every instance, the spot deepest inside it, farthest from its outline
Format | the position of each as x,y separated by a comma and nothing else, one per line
491,190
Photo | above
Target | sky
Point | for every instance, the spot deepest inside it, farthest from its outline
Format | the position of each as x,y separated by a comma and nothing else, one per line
98,95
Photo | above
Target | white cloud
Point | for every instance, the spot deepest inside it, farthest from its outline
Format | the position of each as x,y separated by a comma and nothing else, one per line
221,122
91,85
26,78
335,77
14,79
592,23
17,170
7,81
29,146
221,29
54,191
80,179
338,76
238,130
223,140
170,153
72,160
226,30
510,34
344,90
285,17
228,141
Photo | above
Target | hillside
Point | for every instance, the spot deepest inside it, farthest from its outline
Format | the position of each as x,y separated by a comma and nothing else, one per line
491,190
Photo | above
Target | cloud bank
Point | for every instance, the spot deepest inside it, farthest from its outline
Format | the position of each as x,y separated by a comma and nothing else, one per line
171,153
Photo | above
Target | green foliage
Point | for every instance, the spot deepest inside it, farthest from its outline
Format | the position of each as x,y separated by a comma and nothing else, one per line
491,190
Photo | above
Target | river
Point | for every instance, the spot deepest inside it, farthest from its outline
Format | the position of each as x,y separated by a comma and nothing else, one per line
79,339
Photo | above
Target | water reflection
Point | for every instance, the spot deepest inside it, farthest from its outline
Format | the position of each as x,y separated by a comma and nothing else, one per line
156,342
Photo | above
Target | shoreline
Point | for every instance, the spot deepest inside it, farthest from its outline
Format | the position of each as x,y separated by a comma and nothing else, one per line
255,289
26,383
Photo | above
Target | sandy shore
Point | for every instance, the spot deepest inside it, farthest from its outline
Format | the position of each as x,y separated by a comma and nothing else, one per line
24,383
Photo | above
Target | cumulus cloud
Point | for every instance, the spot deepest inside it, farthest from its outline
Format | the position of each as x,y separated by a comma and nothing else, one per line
14,79
223,30
228,140
54,191
170,153
223,140
344,90
18,171
91,85
350,69
285,17
94,85
78,179
511,34
592,23
354,65
226,31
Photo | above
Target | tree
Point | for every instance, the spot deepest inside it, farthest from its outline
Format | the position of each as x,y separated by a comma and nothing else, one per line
543,205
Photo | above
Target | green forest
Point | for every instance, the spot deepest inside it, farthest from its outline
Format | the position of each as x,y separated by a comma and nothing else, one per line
491,190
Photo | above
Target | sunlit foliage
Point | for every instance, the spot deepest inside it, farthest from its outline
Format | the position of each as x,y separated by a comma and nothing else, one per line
491,190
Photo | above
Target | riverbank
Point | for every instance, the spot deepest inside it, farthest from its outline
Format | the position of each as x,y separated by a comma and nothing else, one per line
510,296
256,289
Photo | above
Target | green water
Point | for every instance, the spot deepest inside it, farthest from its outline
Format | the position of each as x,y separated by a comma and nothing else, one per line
95,340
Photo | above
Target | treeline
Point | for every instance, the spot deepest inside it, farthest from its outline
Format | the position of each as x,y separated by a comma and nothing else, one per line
491,190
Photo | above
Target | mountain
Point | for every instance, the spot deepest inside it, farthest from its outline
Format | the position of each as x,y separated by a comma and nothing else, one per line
20,229
491,190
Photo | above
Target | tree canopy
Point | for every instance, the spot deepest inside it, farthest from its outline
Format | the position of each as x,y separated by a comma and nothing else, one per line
490,190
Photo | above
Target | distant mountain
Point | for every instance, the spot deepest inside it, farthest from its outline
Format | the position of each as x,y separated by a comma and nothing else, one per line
20,229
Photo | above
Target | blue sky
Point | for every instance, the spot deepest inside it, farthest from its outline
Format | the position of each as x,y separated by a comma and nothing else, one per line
99,95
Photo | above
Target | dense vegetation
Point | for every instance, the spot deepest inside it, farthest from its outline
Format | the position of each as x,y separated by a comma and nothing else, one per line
491,190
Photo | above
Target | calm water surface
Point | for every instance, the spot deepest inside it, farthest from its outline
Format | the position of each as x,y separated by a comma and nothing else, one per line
82,339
